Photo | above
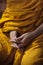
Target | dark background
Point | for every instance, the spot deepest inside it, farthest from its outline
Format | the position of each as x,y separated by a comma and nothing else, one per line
2,7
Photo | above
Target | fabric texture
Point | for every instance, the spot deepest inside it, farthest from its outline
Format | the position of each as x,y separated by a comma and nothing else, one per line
22,16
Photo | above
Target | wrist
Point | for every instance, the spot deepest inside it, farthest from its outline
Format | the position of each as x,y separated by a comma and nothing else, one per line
33,34
38,31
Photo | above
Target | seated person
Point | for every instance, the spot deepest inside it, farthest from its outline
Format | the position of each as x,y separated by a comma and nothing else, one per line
23,18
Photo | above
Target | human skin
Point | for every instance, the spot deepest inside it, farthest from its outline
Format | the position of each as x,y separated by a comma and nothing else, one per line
25,39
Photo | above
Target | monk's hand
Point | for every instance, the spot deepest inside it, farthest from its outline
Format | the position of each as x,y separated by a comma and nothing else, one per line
13,37
24,40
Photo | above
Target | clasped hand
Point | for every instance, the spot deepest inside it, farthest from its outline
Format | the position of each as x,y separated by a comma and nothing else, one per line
23,40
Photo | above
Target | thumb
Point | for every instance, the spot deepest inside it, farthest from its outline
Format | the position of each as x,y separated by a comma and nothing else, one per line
20,38
13,34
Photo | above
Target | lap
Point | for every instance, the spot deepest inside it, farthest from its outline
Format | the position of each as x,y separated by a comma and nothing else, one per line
34,54
5,47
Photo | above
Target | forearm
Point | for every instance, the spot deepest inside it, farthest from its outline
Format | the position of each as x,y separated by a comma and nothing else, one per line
38,31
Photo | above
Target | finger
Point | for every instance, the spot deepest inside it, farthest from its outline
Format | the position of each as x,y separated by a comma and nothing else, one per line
20,38
15,45
13,34
14,41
